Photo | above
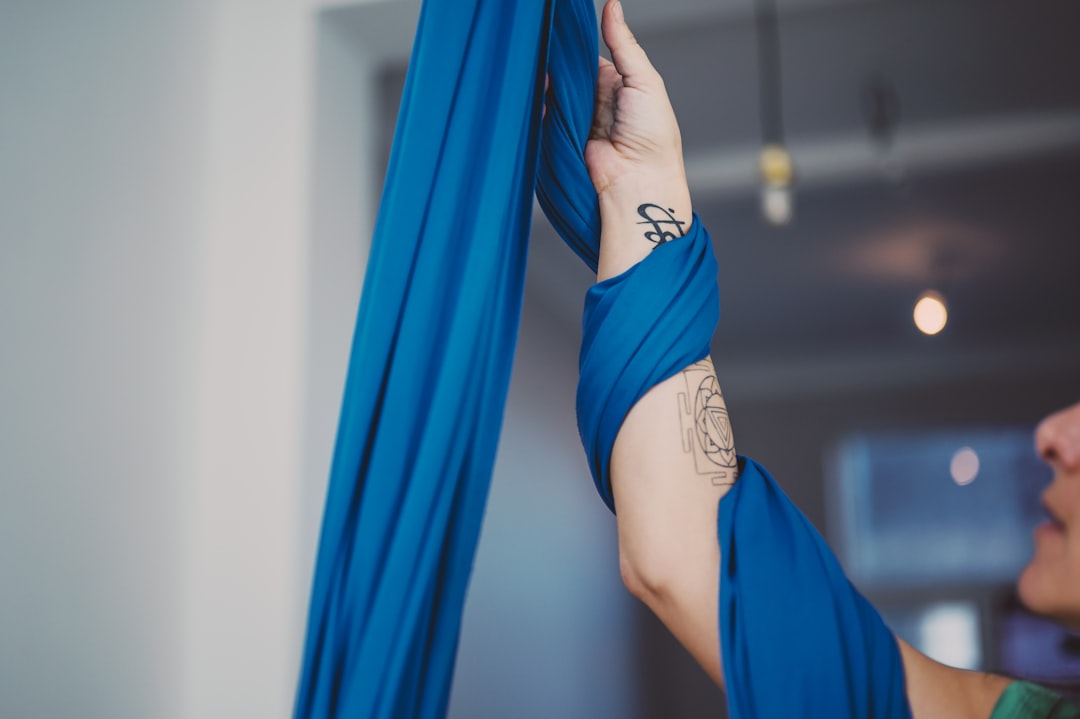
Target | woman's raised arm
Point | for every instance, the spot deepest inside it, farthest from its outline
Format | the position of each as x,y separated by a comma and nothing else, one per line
674,456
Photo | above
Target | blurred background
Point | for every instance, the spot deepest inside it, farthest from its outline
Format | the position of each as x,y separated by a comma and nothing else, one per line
187,190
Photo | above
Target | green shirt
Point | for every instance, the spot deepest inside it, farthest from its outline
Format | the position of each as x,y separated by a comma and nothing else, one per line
1024,700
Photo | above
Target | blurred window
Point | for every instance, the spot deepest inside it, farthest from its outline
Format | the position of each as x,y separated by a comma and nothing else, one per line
936,508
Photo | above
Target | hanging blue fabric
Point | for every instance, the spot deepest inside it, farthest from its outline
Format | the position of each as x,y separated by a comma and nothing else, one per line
797,639
430,366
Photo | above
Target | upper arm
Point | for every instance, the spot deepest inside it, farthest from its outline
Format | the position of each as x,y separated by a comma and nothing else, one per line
667,489
938,691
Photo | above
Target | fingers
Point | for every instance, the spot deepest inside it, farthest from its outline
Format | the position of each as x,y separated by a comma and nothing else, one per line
629,58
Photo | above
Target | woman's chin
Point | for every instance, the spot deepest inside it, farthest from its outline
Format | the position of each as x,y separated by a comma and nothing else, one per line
1032,588
1042,595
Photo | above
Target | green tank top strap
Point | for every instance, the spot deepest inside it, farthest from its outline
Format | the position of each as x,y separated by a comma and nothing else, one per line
1024,700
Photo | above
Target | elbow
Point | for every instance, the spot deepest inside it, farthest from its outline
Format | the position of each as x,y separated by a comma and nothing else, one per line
648,578
677,577
668,568
632,579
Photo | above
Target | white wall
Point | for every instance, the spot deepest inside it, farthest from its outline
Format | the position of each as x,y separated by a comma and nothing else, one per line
101,150
241,601
154,181
343,197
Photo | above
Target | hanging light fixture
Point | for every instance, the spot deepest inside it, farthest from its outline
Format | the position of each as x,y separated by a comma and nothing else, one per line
777,201
775,165
881,109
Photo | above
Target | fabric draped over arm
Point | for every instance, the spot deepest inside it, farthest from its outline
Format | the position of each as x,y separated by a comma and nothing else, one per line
429,371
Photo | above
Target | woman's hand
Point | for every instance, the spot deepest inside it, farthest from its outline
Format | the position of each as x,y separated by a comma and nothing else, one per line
634,153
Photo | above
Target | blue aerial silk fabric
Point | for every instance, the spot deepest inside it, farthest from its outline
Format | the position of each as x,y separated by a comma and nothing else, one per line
430,367
797,639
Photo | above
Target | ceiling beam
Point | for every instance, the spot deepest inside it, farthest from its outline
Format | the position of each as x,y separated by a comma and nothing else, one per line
915,150
881,370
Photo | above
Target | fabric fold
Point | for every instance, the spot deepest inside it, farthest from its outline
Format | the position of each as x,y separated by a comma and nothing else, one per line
563,188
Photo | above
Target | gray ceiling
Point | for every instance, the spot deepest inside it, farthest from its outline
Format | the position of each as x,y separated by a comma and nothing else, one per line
987,212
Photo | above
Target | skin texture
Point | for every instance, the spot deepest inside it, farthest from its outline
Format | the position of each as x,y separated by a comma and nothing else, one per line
667,489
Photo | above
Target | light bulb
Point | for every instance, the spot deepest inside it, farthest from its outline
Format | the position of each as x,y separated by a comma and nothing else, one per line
776,204
930,313
777,174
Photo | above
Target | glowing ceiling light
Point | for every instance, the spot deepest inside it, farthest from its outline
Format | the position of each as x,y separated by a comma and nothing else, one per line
930,313
964,466
777,173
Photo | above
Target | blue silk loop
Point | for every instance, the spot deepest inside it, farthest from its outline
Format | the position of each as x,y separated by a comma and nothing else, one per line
429,371
641,327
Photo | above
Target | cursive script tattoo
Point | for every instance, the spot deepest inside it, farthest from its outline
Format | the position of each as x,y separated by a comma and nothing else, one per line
706,426
658,235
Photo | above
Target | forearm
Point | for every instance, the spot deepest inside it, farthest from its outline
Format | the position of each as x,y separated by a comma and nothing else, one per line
673,458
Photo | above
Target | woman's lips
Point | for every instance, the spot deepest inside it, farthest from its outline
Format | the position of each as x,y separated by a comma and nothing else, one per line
1049,528
1053,526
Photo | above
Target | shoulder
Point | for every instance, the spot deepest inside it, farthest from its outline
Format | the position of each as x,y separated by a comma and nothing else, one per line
937,691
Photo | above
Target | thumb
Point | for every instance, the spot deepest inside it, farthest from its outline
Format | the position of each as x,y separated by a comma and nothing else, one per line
629,57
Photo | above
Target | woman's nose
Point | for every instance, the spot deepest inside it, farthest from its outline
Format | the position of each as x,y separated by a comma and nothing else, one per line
1057,438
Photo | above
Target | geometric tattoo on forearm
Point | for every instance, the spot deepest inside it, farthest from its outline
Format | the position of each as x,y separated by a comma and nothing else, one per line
658,218
706,429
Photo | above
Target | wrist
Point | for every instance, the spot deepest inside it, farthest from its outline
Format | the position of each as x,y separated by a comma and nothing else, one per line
628,189
639,215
